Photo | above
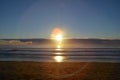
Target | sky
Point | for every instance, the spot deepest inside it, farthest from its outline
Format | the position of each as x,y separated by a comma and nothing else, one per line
76,18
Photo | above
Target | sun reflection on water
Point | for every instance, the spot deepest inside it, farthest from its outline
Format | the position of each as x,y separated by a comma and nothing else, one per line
57,35
58,53
58,46
59,58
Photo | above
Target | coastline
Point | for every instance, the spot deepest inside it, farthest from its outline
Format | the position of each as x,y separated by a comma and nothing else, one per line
28,70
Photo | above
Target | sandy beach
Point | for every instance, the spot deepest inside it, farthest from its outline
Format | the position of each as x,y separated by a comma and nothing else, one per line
10,70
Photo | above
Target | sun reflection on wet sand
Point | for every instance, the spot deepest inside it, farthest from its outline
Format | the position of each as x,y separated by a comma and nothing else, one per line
58,58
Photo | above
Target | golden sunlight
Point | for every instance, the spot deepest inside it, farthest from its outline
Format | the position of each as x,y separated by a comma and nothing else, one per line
58,46
57,34
58,53
58,58
59,37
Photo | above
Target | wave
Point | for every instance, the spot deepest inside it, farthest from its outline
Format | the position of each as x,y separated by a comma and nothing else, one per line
70,54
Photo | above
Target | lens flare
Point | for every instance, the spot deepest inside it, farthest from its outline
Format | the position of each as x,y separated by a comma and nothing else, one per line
56,31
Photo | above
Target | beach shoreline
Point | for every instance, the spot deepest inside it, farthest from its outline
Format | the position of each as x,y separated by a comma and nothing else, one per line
28,70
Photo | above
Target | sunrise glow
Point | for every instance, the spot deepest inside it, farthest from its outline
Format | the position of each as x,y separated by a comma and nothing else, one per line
58,58
59,37
57,34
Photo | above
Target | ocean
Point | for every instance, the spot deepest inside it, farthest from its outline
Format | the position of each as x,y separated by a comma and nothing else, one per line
62,54
69,50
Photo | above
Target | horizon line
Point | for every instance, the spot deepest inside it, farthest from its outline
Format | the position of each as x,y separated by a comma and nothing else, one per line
65,38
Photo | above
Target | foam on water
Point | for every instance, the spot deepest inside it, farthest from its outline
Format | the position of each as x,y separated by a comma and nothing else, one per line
69,54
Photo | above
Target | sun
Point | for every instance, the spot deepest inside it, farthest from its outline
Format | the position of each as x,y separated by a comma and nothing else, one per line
59,37
57,34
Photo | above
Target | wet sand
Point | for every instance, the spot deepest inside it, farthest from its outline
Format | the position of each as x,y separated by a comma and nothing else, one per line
10,70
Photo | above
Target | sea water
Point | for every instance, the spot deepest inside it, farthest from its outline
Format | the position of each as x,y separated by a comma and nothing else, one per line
69,54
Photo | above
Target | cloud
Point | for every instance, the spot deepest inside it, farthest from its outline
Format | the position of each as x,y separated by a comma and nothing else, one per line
14,42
